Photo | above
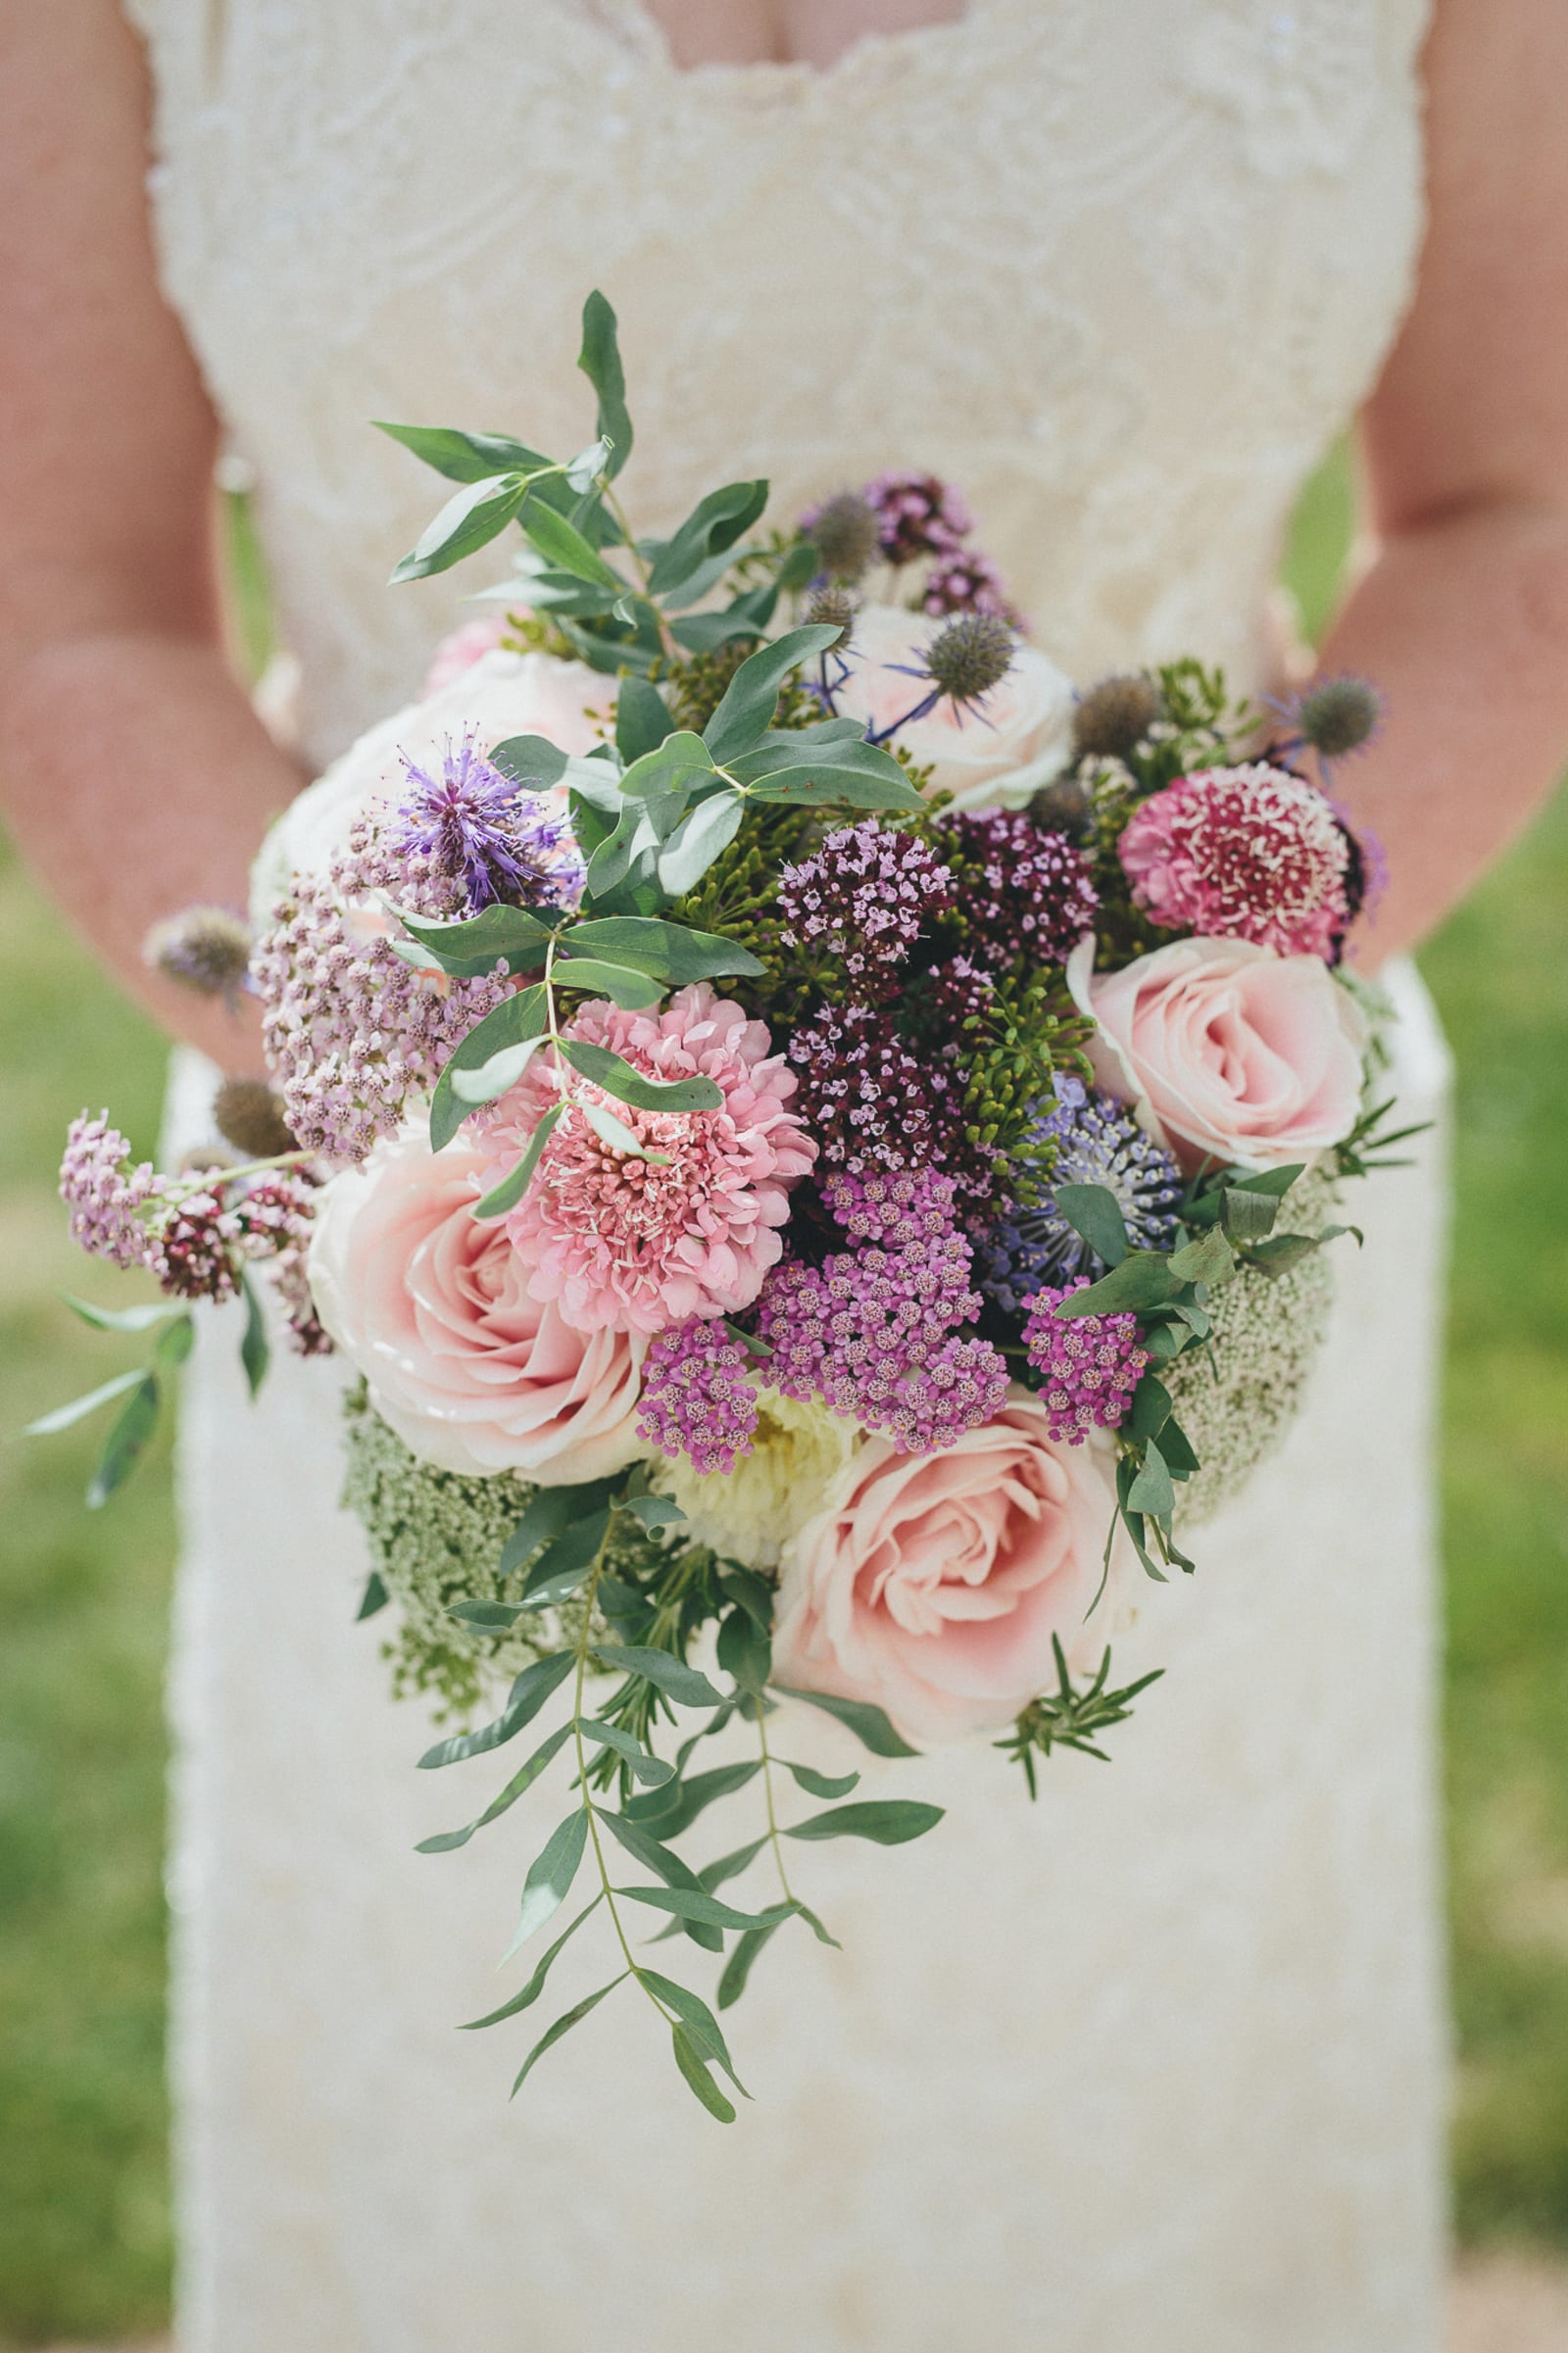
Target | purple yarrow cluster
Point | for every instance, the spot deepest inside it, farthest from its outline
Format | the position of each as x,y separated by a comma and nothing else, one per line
967,582
350,1030
872,1333
871,1103
108,1194
477,828
697,1399
866,895
917,514
1089,1365
1023,889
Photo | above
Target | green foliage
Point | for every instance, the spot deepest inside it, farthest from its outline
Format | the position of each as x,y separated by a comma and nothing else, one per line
1071,1717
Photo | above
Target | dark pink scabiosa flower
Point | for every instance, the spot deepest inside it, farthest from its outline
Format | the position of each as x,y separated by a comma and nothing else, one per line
875,1332
967,582
1088,1367
866,895
697,1399
916,515
480,831
1248,852
1021,889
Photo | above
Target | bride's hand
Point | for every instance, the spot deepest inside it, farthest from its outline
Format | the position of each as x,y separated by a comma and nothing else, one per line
1460,612
136,778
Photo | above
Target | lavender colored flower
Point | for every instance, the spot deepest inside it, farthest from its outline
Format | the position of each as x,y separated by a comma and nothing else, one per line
106,1193
866,895
478,828
1020,888
201,1249
872,1332
967,582
1094,1141
869,1103
1089,1366
351,1030
697,1399
917,514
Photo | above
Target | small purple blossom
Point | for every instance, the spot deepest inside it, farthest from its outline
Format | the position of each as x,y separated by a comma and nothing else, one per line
866,895
1021,888
200,1248
106,1193
873,1331
917,514
1089,1366
478,827
967,582
697,1399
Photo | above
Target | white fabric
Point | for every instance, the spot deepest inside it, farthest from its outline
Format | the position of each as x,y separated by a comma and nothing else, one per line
1159,2061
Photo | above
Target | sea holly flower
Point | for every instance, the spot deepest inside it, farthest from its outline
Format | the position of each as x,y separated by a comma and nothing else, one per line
1084,1139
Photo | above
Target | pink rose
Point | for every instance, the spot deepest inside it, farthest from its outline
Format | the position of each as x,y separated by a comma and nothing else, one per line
932,1583
470,1371
462,647
995,755
1235,1054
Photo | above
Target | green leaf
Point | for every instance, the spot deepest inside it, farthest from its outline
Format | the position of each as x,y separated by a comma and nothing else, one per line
686,1686
506,1196
628,989
695,2014
746,712
1177,1448
530,1992
175,1341
744,1650
670,768
63,1416
693,1903
255,1349
700,632
668,951
644,1764
564,546
1094,1212
588,465
530,761
446,1841
1144,1279
526,1697
128,1438
1209,1259
690,2061
886,1821
868,1724
519,1019
564,2026
730,1866
675,1809
565,1565
550,1876
487,1617
1246,1217
656,1511
703,834
618,1078
713,526
851,772
472,517
1275,1182
498,933
465,457
488,1081
821,1785
642,719
738,1968
552,1510
669,1867
1151,1492
600,362
753,1592
1150,1408
373,1599
129,1319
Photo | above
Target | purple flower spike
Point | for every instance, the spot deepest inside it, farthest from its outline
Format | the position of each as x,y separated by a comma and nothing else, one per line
480,828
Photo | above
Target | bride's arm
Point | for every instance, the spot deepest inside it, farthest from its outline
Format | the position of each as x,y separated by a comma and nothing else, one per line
135,776
1462,615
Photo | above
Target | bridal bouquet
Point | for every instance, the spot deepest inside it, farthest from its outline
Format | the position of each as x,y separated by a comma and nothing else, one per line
815,1142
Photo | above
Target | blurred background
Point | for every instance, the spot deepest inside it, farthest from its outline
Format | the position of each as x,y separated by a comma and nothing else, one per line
84,2229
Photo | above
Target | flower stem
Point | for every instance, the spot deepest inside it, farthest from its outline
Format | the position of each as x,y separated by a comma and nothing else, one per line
767,1793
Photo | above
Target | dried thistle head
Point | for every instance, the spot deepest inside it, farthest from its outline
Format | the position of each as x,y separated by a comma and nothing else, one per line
970,656
204,949
832,606
249,1116
1337,716
846,534
1115,715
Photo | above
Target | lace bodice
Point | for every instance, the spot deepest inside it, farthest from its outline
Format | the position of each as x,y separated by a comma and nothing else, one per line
1120,271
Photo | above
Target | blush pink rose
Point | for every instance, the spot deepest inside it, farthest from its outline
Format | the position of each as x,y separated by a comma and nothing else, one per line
462,647
931,1583
1238,1054
471,1371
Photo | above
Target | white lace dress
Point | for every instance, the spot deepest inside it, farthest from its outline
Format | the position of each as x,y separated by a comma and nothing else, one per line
1159,2061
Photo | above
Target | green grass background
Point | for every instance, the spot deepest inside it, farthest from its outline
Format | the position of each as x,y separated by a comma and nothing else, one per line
85,2238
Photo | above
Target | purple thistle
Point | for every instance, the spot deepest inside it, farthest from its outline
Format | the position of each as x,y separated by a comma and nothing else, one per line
872,1332
865,896
478,828
1089,1366
697,1399
917,514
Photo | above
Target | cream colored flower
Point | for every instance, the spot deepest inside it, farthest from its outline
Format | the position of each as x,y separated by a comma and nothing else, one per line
750,1512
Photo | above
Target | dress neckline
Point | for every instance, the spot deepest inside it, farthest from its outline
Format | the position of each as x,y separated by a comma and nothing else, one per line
871,51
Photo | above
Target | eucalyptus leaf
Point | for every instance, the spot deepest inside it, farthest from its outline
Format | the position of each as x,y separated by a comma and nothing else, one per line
642,719
129,1434
506,1196
694,2068
465,457
530,761
373,1599
1151,1492
528,1694
821,1785
564,2026
656,1511
644,1764
1144,1279
738,1968
63,1418
472,517
885,1821
448,1841
674,1809
584,469
1094,1212
1209,1259
618,1136
626,988
746,710
669,1867
703,835
868,1724
730,1866
487,1081
496,933
550,1876
618,1078
1150,1408
1246,1216
693,1903
686,1686
745,1651
713,526
125,1319
559,539
695,2014
552,1510
530,1992
487,1617
669,951
565,1565
255,1349
600,362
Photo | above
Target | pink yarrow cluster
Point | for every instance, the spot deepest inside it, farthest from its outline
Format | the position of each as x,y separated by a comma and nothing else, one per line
637,1245
872,1332
697,1399
1248,852
1090,1366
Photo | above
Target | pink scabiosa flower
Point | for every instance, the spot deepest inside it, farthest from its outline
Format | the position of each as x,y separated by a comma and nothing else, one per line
1089,1366
1249,853
632,1244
